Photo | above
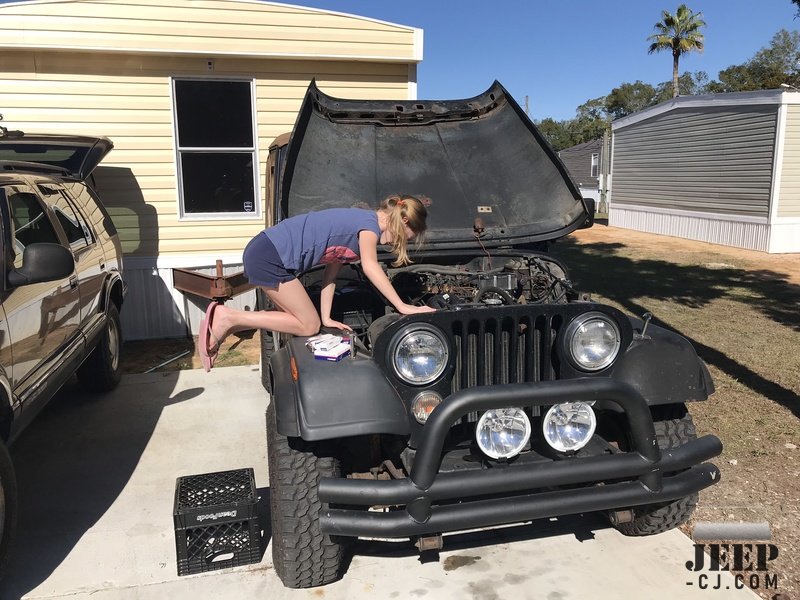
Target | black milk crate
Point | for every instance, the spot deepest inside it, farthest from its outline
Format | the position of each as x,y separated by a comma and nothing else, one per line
216,521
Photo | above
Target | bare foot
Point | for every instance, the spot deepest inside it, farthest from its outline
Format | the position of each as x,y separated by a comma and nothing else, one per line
220,326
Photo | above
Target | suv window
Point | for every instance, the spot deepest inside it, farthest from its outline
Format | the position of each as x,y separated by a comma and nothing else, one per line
31,224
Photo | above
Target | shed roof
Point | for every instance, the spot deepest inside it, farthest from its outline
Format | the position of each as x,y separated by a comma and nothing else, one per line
252,28
759,97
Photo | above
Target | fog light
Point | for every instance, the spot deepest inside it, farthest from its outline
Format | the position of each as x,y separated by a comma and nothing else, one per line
503,432
423,404
569,426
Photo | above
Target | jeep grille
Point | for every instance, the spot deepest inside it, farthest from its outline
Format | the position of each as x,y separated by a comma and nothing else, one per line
508,349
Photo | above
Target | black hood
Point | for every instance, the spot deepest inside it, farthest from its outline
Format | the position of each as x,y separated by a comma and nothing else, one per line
482,163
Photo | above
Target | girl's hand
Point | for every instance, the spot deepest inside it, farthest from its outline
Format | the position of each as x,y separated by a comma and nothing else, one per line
336,325
410,309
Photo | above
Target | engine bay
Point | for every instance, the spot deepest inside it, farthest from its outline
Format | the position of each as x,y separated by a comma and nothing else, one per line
482,282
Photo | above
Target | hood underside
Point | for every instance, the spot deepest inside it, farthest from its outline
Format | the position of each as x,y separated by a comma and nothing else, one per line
485,168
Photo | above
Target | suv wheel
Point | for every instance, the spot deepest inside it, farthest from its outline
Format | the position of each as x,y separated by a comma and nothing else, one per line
302,555
674,427
8,504
102,370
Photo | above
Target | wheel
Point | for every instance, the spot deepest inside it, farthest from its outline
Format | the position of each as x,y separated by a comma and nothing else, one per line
102,370
8,504
302,555
674,427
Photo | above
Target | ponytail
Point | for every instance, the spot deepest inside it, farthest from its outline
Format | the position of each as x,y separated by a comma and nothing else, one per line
397,208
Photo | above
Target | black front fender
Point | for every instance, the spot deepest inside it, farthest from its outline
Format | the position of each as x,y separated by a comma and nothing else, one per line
663,367
319,400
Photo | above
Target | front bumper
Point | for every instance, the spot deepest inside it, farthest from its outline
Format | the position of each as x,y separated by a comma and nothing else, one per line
439,502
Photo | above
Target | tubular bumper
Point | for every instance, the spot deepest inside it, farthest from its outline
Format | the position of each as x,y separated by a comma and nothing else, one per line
425,487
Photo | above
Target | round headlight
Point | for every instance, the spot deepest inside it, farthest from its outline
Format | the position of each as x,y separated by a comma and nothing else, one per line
420,356
423,404
503,432
569,426
594,341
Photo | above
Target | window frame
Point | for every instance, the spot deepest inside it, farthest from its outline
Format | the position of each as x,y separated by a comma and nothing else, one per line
594,165
257,213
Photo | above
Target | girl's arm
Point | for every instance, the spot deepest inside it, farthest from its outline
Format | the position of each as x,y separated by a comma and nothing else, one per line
326,296
368,246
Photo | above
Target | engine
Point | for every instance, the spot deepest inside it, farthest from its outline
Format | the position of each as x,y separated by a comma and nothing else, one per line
520,280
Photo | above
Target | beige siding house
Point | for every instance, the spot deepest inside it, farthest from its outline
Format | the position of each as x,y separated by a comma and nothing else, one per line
191,92
723,168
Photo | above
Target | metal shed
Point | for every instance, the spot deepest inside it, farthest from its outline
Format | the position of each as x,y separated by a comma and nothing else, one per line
721,168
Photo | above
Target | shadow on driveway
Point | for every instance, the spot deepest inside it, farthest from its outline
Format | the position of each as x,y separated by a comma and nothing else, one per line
72,463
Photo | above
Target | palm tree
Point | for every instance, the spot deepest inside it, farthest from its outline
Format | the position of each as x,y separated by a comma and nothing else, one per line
678,33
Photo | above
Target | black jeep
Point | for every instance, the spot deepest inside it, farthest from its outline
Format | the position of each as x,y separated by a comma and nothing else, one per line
519,399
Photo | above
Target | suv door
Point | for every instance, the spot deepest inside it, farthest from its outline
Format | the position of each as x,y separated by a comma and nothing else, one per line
42,319
90,267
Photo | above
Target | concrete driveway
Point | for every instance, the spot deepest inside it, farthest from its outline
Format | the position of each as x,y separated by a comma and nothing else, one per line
97,479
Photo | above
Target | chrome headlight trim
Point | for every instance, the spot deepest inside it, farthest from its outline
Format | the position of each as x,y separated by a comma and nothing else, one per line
413,339
578,327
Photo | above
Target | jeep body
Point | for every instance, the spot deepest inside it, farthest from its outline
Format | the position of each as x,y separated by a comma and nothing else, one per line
466,417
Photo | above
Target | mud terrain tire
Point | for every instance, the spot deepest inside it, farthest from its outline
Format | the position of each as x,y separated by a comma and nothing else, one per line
302,555
674,427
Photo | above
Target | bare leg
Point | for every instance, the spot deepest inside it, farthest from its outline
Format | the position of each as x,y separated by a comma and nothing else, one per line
297,315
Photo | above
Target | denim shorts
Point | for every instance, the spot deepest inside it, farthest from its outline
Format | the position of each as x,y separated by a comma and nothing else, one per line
262,263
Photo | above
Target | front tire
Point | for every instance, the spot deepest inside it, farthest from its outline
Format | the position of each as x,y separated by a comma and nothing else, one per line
102,370
8,504
674,427
302,555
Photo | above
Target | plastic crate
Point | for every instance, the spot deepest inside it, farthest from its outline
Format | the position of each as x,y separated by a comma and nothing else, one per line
216,521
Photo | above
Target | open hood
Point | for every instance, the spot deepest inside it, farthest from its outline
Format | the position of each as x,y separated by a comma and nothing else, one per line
488,172
75,155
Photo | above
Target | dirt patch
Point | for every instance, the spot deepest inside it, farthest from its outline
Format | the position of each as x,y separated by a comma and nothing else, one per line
181,353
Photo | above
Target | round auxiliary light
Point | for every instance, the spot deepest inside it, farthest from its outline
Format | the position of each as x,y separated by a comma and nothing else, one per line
420,356
503,432
423,404
594,341
569,426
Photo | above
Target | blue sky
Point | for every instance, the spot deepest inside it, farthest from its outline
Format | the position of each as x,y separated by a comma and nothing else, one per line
562,53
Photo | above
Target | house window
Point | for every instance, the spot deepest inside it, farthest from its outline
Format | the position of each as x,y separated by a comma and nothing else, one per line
216,143
595,165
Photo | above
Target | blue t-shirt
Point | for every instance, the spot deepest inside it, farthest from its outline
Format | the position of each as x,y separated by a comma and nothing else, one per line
321,237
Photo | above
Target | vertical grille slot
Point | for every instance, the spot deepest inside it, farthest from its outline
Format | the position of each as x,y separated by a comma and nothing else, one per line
506,350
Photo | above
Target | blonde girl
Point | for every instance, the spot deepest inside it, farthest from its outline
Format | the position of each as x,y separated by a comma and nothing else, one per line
333,237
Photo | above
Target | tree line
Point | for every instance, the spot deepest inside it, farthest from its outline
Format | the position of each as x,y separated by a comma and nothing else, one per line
776,64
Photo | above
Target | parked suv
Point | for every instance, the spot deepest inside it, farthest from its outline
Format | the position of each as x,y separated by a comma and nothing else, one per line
62,288
520,398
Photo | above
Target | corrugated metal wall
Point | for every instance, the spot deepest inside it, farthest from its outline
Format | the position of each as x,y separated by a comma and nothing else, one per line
711,159
789,195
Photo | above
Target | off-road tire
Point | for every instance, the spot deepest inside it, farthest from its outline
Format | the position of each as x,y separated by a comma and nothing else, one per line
102,370
674,427
302,555
8,504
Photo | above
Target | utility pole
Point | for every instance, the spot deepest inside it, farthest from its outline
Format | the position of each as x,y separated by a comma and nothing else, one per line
527,111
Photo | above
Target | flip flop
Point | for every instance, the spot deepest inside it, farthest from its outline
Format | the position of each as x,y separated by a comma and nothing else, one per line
207,358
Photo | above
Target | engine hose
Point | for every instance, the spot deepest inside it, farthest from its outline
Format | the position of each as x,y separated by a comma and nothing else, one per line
508,298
